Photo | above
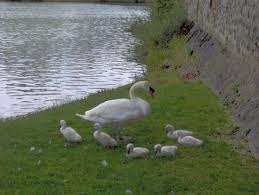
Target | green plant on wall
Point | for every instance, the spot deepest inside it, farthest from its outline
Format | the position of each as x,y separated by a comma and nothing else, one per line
162,7
165,20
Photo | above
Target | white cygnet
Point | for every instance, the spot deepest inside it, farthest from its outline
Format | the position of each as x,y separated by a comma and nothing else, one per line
189,140
165,150
69,133
174,134
136,152
103,138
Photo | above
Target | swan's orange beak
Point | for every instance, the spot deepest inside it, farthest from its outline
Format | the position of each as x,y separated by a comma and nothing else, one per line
151,91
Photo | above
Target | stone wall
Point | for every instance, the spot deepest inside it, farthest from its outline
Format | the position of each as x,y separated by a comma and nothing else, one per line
235,23
226,36
84,1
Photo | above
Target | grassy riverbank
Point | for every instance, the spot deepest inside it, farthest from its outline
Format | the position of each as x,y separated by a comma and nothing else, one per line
55,167
81,1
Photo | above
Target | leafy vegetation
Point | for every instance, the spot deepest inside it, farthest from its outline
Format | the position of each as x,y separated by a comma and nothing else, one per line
36,160
165,20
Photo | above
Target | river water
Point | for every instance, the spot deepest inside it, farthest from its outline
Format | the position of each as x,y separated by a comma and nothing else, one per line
51,53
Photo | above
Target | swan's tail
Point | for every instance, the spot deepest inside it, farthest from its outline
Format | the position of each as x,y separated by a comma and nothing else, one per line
81,116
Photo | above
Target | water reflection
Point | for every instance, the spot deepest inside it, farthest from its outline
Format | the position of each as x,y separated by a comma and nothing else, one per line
53,52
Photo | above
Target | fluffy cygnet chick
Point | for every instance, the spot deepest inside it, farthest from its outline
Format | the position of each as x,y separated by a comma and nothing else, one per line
174,134
69,133
189,140
165,150
103,138
136,152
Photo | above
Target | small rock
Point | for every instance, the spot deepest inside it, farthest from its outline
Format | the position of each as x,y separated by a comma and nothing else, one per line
104,163
32,148
172,193
39,163
128,192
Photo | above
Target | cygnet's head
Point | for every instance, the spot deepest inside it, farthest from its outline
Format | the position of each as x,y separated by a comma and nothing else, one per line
62,124
157,148
169,128
129,148
97,127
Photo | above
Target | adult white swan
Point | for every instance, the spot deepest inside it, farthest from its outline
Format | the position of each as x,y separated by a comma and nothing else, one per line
119,112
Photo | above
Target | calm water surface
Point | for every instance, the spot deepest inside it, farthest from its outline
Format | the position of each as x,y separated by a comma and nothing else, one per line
55,52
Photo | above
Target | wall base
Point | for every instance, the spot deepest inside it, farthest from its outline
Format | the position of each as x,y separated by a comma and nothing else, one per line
235,81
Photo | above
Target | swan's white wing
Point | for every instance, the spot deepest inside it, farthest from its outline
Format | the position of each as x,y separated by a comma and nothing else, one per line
70,134
169,149
140,151
184,132
189,140
196,141
172,135
105,139
108,139
114,111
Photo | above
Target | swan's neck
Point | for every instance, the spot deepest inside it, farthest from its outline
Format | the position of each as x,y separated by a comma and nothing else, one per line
132,91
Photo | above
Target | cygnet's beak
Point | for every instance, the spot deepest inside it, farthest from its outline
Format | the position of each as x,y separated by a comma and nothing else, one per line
151,91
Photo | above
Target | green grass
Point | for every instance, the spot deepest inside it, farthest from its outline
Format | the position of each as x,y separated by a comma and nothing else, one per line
56,167
214,168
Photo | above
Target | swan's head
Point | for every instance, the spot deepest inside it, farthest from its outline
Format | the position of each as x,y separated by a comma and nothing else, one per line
143,85
147,87
169,128
62,124
157,148
97,127
129,148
